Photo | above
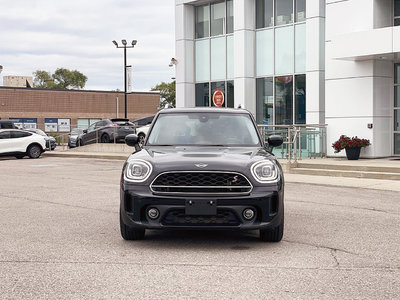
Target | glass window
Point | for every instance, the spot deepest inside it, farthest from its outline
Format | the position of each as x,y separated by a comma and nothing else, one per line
397,143
397,8
284,55
265,101
397,73
83,123
204,129
283,12
264,13
217,18
300,10
218,58
19,134
284,100
218,86
202,60
397,96
202,94
92,121
202,21
300,48
229,16
229,57
265,52
5,135
300,99
397,120
230,94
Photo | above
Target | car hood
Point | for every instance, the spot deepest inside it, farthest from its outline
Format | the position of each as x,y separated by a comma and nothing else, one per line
202,158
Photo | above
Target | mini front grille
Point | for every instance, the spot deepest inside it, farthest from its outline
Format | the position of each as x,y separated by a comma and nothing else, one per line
201,183
222,218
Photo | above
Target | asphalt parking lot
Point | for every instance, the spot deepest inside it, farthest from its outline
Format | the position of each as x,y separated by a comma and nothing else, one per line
59,232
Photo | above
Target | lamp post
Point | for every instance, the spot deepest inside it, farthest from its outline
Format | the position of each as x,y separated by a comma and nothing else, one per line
125,45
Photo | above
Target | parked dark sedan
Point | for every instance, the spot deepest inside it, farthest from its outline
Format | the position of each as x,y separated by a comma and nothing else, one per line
106,131
73,137
212,171
50,141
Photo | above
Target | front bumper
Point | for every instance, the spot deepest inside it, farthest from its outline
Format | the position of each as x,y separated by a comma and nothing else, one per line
267,202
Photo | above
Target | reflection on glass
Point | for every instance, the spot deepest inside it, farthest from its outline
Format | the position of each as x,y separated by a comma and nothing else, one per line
220,85
397,96
397,8
265,101
230,94
229,57
397,73
202,21
284,100
229,16
300,10
397,22
397,120
283,12
284,44
217,18
218,58
300,48
202,94
265,52
202,60
264,13
300,99
397,143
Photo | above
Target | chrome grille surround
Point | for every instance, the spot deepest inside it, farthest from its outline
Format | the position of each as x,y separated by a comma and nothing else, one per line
220,183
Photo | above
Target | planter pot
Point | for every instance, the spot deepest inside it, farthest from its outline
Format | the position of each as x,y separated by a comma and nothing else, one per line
353,153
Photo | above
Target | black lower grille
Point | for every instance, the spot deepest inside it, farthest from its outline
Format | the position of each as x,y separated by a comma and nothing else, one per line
201,182
222,218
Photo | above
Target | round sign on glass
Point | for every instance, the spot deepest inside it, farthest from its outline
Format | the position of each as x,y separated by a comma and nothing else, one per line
218,98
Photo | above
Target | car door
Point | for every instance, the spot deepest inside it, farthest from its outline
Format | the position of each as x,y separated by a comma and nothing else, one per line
20,140
5,144
90,136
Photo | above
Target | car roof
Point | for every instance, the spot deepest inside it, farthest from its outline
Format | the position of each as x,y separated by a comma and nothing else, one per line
205,110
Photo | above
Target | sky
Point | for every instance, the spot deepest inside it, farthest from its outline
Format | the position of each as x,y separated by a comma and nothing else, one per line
78,34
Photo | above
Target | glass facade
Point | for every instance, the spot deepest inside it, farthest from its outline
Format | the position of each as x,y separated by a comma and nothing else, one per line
300,10
283,12
396,12
265,52
284,50
396,113
300,99
214,56
265,101
284,100
264,13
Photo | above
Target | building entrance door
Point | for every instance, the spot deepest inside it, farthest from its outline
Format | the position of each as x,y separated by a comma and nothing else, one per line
396,115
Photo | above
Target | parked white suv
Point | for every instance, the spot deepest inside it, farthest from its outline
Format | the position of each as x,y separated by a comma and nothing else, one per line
20,143
141,132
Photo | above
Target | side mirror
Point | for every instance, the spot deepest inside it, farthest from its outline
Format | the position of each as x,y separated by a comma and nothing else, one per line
133,141
84,130
275,141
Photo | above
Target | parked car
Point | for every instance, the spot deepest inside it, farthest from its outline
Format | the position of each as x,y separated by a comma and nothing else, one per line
73,137
7,124
211,171
20,143
106,131
50,141
142,133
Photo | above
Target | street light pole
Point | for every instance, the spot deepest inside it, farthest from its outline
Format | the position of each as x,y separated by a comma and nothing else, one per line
124,45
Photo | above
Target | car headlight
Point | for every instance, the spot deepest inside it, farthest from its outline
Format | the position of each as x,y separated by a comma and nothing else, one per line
138,170
264,171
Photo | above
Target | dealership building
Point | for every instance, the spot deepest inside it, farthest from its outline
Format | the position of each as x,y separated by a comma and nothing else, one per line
334,62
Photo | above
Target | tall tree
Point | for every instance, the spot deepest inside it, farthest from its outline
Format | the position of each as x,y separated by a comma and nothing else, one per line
61,79
167,93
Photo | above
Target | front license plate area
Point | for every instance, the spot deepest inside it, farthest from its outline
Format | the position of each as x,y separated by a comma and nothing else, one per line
200,207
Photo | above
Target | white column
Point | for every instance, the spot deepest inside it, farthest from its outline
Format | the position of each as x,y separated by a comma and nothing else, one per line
315,62
184,48
244,54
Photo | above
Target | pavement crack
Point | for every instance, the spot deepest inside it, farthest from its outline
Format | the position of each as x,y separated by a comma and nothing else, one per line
322,247
333,253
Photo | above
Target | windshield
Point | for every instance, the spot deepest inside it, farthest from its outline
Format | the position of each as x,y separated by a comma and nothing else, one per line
203,129
76,131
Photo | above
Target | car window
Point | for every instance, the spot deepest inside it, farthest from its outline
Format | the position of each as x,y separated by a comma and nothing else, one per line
6,125
101,124
19,134
204,129
4,135
91,127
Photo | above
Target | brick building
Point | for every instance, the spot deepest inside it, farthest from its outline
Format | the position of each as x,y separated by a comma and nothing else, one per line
62,110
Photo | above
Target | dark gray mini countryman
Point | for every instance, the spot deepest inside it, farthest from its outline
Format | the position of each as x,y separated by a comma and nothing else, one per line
202,168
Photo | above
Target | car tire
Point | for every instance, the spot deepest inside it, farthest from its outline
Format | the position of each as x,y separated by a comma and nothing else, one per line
105,138
141,138
273,235
34,151
130,234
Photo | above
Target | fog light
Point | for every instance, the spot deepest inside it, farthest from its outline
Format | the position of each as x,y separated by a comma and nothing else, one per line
248,214
153,213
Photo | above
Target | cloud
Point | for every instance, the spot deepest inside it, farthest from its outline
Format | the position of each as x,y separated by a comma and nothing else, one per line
77,35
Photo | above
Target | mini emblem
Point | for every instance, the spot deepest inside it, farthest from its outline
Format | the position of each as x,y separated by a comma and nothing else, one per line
201,165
